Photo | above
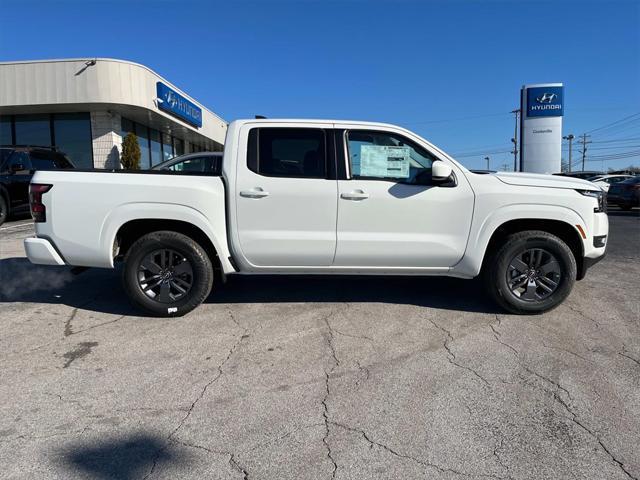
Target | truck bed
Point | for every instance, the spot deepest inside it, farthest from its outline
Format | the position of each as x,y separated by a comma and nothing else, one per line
87,208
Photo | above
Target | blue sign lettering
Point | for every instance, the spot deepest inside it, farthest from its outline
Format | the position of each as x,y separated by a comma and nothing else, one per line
545,102
172,102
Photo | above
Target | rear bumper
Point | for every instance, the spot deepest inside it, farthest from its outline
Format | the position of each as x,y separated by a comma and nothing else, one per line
40,251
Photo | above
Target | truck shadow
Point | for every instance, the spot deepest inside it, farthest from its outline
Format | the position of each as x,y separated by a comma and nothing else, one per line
119,458
100,290
434,292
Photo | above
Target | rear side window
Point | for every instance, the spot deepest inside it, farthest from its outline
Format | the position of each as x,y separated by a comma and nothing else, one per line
287,152
49,161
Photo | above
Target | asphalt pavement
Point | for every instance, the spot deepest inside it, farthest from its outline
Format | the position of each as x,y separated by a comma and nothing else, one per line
327,378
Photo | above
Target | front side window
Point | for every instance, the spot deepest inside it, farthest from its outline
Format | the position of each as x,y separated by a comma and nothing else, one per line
387,156
287,152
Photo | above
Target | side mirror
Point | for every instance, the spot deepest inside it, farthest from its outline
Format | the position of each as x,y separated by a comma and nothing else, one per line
16,167
441,172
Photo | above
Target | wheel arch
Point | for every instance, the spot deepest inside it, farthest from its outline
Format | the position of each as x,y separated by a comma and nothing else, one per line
129,222
567,232
131,231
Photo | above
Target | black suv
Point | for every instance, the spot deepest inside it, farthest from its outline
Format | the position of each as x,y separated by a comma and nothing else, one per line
17,164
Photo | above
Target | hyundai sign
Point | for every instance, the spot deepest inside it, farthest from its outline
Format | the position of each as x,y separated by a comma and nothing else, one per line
172,102
541,128
545,102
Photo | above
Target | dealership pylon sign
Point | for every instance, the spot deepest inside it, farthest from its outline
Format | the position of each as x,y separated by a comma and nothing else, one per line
542,108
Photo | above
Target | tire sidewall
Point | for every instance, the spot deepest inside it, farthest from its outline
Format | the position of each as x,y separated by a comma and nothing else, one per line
551,244
195,255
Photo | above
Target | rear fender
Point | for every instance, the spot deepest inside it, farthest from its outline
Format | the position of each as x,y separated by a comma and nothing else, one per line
215,229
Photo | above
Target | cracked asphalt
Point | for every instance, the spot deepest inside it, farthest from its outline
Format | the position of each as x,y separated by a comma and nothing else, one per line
327,378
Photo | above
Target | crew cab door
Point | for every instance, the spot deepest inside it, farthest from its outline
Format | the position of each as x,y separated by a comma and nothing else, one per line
390,213
286,195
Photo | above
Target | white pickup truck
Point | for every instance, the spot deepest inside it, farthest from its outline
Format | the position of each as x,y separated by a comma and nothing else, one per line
321,197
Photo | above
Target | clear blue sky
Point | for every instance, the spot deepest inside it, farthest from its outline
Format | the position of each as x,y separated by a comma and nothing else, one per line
426,65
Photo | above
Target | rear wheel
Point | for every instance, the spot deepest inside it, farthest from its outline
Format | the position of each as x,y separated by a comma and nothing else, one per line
4,209
167,274
533,272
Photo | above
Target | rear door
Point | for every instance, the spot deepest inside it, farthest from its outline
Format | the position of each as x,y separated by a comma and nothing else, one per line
286,195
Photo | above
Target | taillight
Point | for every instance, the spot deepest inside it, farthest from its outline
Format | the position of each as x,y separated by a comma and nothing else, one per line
38,210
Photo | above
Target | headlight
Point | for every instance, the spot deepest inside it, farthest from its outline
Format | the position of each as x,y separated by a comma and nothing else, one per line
600,196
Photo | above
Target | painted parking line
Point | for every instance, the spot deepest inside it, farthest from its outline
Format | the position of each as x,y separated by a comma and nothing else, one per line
11,227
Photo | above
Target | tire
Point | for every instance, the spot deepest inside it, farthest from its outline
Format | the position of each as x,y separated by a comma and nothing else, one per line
173,269
4,209
548,277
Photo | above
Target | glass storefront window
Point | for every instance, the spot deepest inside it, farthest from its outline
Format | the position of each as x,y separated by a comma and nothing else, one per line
126,127
143,141
179,145
33,130
72,133
156,149
6,137
167,147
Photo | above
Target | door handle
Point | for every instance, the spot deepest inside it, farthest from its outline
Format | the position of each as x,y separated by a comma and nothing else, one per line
256,192
355,195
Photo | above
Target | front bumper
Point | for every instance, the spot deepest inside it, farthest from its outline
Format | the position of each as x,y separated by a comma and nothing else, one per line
40,251
587,263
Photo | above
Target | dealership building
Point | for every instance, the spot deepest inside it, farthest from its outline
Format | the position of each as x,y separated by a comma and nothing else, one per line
85,107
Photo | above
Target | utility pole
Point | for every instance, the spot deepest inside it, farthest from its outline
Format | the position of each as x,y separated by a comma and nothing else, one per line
516,112
487,159
570,137
584,147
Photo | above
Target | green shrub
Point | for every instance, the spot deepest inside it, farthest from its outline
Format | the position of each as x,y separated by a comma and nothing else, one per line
130,157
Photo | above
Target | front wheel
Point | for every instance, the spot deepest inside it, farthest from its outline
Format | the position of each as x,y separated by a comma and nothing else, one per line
533,272
167,274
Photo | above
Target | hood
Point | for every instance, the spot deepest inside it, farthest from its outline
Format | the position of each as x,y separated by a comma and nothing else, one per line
540,180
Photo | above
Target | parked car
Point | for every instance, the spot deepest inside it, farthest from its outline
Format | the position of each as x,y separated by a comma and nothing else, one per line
605,181
582,174
202,162
625,194
322,197
17,164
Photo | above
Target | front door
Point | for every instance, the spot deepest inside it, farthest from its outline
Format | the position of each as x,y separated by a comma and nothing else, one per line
286,201
390,214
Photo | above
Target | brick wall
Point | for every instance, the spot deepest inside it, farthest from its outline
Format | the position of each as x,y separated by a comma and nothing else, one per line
107,141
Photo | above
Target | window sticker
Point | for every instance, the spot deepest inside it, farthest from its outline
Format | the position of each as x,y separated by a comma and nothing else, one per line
384,161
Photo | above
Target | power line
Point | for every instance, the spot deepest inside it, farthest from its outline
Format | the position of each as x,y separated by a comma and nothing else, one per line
613,123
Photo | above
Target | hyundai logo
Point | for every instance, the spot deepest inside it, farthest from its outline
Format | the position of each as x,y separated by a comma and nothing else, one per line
546,98
172,100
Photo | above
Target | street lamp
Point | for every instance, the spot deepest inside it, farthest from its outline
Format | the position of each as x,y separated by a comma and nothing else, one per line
569,137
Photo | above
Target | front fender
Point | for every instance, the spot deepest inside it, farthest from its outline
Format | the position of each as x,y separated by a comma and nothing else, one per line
482,232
